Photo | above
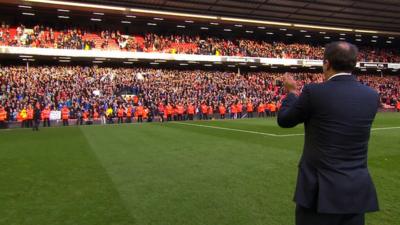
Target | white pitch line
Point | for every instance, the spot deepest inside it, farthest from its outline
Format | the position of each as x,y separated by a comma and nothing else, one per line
385,128
267,134
191,124
239,130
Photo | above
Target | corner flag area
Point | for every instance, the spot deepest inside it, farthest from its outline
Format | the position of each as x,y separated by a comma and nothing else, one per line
230,172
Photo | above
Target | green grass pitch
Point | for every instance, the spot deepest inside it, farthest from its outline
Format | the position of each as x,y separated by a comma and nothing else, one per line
171,174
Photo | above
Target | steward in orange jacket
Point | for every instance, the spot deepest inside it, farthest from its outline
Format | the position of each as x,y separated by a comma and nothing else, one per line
85,115
120,114
65,115
210,112
139,113
250,109
191,111
129,113
169,111
272,109
3,117
398,106
96,115
146,114
29,112
233,111
204,111
239,110
267,108
261,110
222,111
161,111
46,116
181,110
175,114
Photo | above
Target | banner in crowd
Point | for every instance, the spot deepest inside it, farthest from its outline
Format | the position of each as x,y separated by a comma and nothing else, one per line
311,62
394,66
55,115
374,65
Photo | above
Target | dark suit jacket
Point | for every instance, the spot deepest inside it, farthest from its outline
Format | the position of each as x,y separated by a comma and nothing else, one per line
36,114
333,174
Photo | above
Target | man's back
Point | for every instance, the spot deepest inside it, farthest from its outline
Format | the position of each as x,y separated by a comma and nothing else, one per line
337,130
333,174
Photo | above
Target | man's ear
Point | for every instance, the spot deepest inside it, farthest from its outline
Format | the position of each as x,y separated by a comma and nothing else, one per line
327,64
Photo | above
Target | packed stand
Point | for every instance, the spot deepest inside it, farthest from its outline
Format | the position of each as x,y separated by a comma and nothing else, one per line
127,94
46,37
387,86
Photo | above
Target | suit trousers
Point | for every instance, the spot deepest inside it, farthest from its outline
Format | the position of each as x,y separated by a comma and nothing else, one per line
306,216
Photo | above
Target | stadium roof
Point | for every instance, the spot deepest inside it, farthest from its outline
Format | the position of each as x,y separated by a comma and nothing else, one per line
366,14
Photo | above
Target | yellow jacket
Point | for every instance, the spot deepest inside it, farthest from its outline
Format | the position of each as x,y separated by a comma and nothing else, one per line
24,114
109,111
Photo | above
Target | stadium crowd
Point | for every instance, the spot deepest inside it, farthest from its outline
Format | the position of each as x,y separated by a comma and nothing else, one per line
127,94
46,37
41,37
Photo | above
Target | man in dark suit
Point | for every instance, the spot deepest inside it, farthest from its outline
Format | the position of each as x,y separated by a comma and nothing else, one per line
334,186
36,117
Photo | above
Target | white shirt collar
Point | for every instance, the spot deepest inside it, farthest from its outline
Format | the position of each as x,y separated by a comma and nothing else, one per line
339,74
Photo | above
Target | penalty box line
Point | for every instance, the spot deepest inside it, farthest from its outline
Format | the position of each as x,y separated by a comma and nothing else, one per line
263,133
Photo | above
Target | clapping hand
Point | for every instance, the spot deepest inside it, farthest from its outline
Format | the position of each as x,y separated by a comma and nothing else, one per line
289,83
